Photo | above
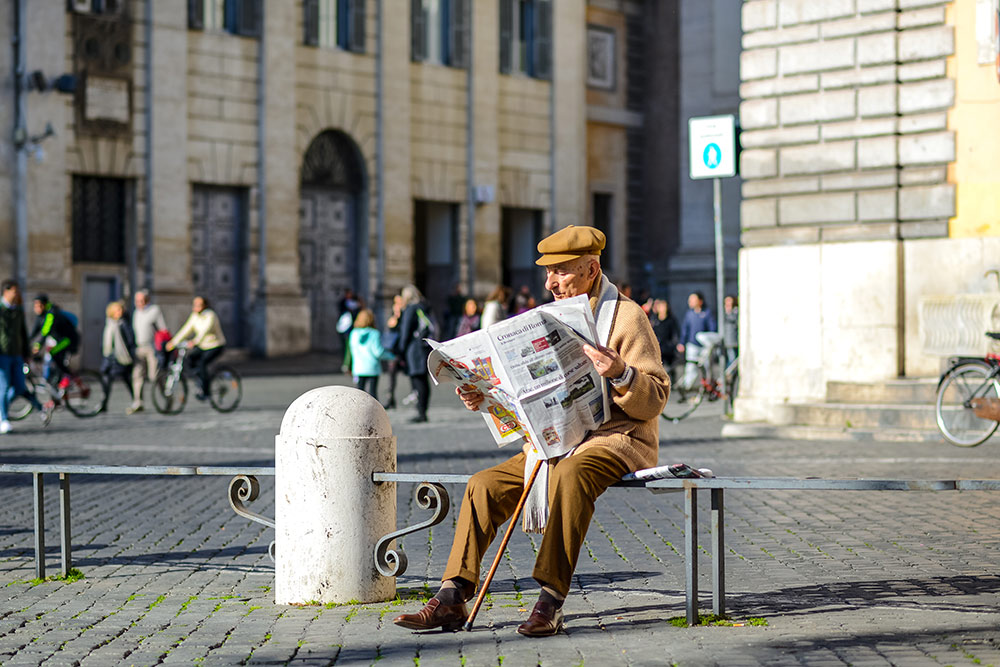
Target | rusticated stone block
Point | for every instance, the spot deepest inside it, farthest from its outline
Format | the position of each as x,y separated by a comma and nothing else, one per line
759,113
758,213
758,163
877,205
877,49
835,105
758,64
817,158
830,207
877,152
759,14
816,56
918,149
927,202
927,43
877,101
926,96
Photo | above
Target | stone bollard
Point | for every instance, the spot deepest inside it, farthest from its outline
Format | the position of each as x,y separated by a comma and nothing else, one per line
328,512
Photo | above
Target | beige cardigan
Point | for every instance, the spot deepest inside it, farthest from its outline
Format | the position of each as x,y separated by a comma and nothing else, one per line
204,330
632,432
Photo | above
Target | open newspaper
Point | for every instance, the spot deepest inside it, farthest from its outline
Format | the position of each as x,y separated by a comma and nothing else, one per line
538,383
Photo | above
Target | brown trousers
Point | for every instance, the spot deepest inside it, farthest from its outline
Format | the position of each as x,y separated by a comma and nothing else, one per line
491,498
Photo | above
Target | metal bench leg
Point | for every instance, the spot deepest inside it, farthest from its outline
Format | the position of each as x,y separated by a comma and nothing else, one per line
39,525
67,561
691,553
718,555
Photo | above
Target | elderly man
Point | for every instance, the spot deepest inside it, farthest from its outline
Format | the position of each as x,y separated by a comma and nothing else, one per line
629,440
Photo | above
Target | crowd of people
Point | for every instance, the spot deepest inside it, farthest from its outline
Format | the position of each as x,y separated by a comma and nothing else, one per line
134,347
399,348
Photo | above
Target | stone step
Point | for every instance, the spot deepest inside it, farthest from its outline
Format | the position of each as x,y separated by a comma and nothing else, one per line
759,430
851,415
917,391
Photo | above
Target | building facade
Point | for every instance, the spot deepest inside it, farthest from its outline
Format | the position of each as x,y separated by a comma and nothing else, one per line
271,155
870,193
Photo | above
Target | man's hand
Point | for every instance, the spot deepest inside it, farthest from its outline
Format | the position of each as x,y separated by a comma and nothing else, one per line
680,348
471,396
606,361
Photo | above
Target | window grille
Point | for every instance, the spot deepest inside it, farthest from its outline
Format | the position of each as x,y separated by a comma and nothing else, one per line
98,219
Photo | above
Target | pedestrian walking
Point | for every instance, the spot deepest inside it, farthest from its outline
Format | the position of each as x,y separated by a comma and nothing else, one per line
147,320
389,338
731,327
14,349
469,321
118,348
416,324
698,319
667,331
494,309
207,341
367,352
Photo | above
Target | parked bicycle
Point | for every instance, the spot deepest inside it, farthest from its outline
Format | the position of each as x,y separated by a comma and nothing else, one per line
692,385
84,393
170,391
967,399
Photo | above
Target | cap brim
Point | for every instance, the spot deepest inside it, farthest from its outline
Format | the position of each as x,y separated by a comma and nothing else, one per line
550,259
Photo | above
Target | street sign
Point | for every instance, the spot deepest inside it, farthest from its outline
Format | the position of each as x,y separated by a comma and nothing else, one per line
713,146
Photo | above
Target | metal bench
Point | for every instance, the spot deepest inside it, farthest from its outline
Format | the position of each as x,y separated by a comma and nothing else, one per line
432,495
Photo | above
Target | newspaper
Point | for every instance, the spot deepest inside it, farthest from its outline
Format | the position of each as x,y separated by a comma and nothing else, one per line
538,384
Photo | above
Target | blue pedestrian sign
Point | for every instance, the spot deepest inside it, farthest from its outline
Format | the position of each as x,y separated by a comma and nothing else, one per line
713,146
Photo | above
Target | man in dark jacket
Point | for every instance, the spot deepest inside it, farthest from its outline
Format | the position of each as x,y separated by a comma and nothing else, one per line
13,350
416,324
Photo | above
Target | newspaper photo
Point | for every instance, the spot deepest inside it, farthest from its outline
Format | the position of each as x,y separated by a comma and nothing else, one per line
537,382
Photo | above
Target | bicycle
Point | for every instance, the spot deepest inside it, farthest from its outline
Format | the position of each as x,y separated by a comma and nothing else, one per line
84,393
708,383
170,390
965,393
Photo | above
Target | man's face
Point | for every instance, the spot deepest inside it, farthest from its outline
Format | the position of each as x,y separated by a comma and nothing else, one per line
12,295
571,278
694,303
140,300
38,307
198,305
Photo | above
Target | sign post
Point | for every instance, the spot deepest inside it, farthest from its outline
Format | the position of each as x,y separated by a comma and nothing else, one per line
712,140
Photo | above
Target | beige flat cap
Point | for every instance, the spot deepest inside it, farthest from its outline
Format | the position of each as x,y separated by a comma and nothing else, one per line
568,243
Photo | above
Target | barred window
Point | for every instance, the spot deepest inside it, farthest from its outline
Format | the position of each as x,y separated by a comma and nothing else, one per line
239,17
99,219
335,24
439,31
526,37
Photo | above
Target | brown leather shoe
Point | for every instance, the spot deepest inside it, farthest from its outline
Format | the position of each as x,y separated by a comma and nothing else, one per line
435,615
545,621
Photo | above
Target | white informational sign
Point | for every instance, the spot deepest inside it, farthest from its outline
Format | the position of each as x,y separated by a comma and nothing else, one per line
713,146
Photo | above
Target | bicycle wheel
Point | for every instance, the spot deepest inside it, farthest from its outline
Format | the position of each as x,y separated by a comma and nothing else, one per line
682,403
20,407
955,418
169,394
225,389
86,395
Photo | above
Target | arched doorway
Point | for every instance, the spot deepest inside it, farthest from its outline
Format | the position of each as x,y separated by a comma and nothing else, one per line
331,231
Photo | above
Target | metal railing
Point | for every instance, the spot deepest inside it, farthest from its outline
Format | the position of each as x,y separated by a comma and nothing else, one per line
242,488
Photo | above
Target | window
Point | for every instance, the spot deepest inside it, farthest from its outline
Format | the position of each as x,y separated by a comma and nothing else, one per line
335,24
239,17
440,32
98,219
526,37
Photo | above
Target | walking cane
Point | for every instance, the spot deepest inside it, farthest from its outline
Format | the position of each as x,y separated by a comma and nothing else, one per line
503,545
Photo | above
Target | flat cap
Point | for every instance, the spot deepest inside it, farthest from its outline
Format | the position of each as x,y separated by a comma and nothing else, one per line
568,243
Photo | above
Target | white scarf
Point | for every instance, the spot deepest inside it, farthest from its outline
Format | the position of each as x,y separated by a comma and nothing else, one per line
536,506
113,342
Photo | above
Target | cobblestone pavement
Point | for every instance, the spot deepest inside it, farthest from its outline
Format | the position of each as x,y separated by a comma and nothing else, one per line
172,576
